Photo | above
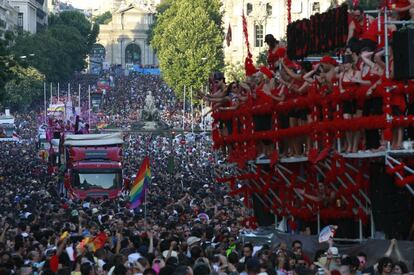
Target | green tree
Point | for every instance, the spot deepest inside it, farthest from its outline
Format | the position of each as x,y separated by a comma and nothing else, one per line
161,8
25,88
234,72
6,62
103,18
188,38
62,48
262,58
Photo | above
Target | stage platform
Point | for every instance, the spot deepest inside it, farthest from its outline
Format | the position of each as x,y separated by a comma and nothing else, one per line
359,155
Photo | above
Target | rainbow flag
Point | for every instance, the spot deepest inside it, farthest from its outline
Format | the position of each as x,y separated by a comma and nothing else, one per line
143,178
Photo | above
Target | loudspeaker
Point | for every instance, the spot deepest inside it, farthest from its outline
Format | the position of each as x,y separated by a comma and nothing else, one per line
403,51
264,218
391,205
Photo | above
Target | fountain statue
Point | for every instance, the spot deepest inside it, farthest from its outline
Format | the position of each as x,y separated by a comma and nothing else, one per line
150,112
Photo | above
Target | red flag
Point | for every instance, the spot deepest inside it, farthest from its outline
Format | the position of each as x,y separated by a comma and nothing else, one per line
99,241
54,263
229,36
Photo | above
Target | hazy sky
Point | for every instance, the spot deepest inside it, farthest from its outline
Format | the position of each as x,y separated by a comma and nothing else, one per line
86,4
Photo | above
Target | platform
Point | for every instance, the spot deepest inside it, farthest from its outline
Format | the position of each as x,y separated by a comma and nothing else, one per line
358,155
364,154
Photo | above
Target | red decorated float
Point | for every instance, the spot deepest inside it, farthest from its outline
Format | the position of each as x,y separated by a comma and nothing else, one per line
325,183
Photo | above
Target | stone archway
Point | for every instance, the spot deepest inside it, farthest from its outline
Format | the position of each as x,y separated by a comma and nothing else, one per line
133,54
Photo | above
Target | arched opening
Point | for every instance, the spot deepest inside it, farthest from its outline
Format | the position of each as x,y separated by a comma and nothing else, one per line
133,54
96,58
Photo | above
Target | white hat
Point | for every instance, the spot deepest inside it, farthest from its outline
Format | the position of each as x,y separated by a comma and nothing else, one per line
95,210
192,240
132,258
334,251
173,254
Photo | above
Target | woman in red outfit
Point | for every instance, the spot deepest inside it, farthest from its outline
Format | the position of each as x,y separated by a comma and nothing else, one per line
348,85
263,122
299,88
371,74
272,55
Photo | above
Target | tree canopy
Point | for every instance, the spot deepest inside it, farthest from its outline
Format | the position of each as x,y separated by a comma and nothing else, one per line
188,37
25,88
62,48
103,18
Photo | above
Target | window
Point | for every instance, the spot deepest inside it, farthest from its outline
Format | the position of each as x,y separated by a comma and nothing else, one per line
249,8
258,30
20,20
89,179
269,9
316,7
3,23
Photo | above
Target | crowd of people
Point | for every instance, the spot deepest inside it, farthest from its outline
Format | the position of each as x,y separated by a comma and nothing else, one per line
188,224
352,86
123,106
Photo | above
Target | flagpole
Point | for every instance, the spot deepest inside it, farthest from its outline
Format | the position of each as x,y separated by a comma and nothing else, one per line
184,110
79,99
145,207
51,93
69,91
44,100
58,91
202,109
192,109
89,104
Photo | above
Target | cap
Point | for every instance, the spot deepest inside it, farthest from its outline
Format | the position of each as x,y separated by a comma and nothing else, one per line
269,38
328,60
192,240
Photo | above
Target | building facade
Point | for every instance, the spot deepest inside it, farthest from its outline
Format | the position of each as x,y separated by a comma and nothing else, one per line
263,17
32,14
124,40
8,18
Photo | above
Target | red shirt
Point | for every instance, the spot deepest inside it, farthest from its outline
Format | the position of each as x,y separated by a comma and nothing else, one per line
372,32
272,57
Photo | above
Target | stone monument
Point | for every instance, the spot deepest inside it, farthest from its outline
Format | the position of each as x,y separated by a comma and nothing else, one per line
150,112
150,115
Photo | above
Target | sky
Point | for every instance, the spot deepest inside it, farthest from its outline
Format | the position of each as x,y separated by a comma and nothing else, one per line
85,4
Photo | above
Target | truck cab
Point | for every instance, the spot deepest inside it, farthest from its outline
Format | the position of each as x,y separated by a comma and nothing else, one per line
93,165
7,126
